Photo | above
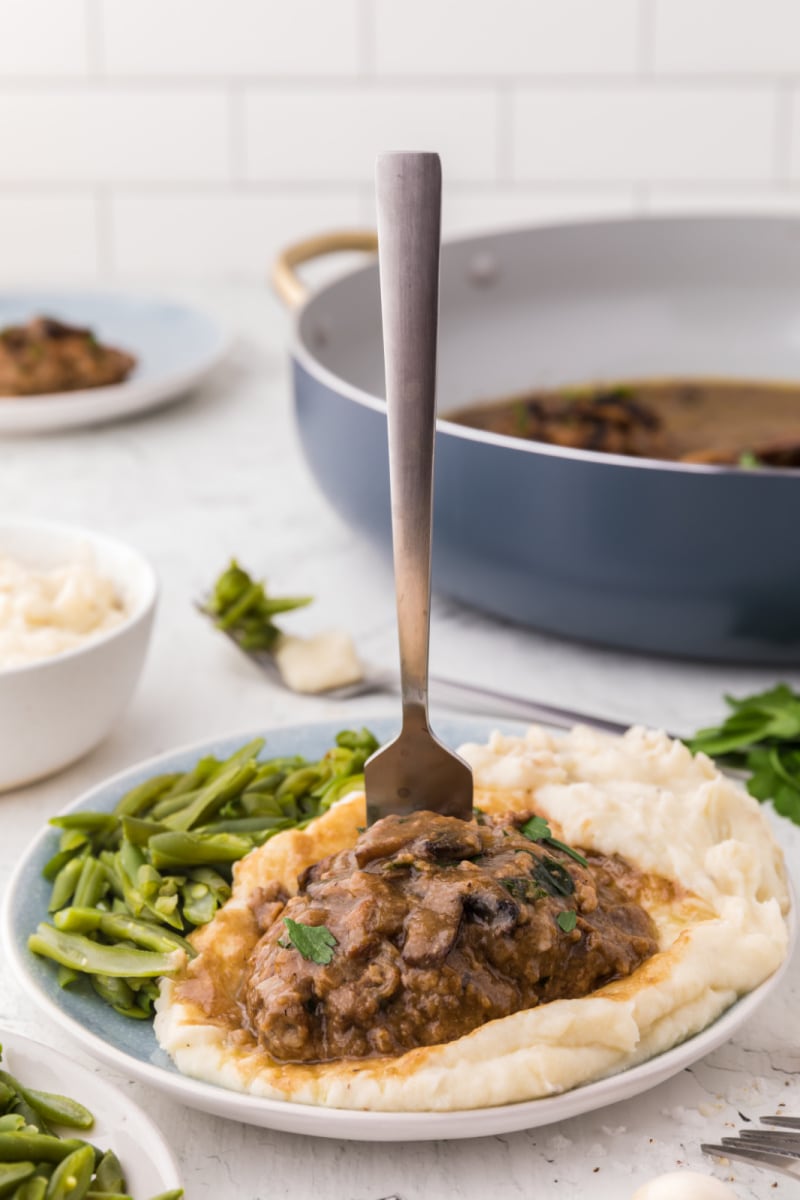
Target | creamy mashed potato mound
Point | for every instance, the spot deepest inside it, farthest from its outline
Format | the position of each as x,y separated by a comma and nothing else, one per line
46,612
717,894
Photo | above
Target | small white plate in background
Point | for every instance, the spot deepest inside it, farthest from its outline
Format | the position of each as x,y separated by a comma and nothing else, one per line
175,347
120,1125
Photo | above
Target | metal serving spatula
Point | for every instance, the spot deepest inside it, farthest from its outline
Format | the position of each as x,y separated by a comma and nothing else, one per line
415,771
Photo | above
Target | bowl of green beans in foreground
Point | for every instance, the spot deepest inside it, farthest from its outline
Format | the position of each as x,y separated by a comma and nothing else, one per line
315,764
138,1163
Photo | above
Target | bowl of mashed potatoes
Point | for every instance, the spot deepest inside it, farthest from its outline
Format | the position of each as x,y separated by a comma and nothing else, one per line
76,611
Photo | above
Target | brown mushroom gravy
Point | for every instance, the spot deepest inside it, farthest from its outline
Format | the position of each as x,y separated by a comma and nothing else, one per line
438,925
701,421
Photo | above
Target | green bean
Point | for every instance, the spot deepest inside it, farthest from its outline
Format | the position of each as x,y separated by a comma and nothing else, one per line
65,883
139,799
175,1194
12,1123
82,954
172,804
108,1176
247,825
13,1174
121,927
197,849
36,1147
193,779
71,1178
60,859
120,995
212,797
139,832
87,822
71,840
67,976
33,1120
91,885
302,780
199,903
58,1109
32,1189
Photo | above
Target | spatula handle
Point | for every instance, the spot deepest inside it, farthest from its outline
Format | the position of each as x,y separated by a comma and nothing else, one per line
409,195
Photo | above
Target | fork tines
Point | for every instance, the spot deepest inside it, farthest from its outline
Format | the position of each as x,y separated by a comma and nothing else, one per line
772,1147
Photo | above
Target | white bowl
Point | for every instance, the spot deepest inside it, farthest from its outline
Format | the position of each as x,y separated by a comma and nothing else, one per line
56,709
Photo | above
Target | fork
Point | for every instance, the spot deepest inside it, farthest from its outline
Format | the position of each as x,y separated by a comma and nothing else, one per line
452,693
762,1146
416,771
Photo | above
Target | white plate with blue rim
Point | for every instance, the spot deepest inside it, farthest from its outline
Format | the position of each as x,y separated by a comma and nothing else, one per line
175,348
119,1124
131,1046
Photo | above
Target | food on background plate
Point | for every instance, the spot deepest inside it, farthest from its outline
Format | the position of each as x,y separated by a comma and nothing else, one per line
47,611
47,356
240,607
273,1002
36,1163
738,423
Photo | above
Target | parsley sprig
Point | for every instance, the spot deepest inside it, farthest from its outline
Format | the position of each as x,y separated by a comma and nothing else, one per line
537,830
315,942
762,735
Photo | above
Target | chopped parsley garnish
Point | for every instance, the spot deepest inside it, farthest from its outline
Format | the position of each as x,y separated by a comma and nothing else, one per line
315,942
537,830
555,879
567,920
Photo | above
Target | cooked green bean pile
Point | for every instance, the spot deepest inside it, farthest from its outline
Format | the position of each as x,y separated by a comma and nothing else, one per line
130,884
37,1164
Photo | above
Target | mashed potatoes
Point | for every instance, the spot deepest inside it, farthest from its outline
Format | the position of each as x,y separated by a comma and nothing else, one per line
718,898
45,612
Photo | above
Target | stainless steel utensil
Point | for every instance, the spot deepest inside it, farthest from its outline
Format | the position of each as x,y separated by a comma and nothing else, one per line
415,771
450,693
770,1148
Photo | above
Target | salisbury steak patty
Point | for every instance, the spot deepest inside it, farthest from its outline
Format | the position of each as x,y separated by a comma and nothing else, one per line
440,925
48,356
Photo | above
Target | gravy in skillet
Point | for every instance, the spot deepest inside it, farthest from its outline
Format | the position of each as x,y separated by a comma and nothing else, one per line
700,421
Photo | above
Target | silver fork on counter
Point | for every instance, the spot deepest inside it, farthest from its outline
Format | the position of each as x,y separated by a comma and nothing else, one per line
765,1147
450,693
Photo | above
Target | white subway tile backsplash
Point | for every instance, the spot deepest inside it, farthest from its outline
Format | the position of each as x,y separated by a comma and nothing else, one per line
95,133
195,137
334,134
506,37
49,237
42,38
188,234
632,132
230,37
748,36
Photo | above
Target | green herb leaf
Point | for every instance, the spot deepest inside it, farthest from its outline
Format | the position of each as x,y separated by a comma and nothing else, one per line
567,920
536,829
762,734
315,942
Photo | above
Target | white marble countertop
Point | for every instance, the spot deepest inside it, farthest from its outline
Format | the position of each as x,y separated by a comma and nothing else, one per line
219,474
